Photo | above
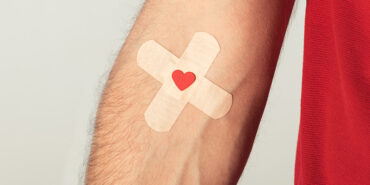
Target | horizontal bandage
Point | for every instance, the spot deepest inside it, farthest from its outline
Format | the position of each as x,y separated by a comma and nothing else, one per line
183,81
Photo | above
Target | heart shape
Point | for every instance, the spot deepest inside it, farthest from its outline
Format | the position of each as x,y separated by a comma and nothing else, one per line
183,80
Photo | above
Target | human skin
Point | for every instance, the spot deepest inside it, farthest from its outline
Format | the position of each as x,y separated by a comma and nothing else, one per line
197,149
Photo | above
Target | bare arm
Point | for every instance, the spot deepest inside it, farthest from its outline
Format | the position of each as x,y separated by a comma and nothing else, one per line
198,149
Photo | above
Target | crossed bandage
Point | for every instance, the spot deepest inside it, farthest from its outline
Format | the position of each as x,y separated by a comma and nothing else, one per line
183,81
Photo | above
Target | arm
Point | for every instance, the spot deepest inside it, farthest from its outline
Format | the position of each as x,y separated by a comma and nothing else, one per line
197,149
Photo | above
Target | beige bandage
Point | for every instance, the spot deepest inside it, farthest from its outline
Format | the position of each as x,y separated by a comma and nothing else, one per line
180,88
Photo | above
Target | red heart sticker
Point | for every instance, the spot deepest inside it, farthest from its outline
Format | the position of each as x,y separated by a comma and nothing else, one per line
183,80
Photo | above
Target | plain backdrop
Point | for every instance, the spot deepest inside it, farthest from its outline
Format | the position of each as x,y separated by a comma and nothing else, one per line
54,59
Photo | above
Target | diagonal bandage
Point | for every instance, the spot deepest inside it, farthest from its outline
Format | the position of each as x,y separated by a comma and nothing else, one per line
183,81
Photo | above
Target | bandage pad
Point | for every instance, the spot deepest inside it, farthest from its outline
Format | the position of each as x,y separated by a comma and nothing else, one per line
183,81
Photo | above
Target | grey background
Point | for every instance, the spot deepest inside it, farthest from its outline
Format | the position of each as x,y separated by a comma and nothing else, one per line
54,58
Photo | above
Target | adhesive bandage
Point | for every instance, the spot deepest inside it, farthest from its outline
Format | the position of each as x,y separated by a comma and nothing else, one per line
183,81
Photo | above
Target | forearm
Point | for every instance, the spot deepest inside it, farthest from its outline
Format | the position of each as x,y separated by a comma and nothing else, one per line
197,149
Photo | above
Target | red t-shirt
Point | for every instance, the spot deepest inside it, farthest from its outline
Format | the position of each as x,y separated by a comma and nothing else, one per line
334,136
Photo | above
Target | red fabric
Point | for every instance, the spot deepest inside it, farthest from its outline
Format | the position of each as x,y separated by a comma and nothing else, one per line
334,135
